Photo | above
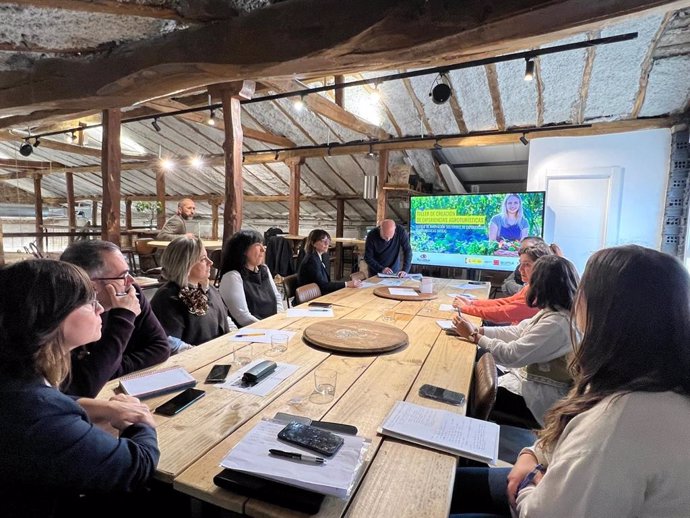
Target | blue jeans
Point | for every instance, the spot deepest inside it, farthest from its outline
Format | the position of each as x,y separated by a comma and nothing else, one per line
480,492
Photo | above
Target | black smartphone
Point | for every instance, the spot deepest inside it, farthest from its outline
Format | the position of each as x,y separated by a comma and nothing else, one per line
311,438
441,394
218,374
180,402
319,304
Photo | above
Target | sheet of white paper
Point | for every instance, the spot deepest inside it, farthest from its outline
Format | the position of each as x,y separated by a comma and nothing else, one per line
466,295
445,324
446,307
367,284
391,282
311,312
387,275
334,477
468,286
403,291
444,429
414,276
262,336
263,387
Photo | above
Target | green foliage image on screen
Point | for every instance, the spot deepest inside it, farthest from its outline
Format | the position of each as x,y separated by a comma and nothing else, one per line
461,224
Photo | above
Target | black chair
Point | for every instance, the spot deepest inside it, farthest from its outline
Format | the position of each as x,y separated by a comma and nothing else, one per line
215,256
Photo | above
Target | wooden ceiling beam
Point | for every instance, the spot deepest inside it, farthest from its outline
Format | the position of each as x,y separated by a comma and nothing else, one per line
601,128
201,117
185,13
206,197
345,37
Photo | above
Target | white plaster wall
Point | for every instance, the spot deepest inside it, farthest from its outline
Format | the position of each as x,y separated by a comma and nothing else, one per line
644,157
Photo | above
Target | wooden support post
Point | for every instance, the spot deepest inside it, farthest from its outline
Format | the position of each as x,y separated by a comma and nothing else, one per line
160,196
339,220
295,165
38,206
214,219
381,193
71,213
94,213
128,221
2,248
230,95
340,92
111,164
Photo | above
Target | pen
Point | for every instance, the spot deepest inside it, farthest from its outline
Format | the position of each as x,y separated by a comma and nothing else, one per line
319,310
249,334
297,456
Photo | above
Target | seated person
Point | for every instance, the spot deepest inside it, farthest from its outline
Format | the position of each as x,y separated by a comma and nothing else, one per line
508,310
514,283
246,284
313,269
51,450
617,444
131,339
382,249
540,344
189,309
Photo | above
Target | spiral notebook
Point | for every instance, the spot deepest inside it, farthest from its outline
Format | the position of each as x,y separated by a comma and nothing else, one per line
155,383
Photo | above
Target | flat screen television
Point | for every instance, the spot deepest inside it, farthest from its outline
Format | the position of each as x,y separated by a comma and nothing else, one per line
480,231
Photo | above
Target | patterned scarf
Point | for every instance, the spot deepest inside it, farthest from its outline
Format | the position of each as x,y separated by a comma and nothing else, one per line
195,299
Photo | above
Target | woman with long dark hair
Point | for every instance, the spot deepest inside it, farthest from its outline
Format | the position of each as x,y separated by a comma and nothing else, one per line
52,449
315,268
246,284
617,444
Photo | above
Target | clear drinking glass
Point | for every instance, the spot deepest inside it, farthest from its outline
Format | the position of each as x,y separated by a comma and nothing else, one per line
324,385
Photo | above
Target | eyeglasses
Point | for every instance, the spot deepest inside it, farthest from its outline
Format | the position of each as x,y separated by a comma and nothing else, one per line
124,277
95,304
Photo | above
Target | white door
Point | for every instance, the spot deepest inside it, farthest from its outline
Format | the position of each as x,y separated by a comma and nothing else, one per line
582,210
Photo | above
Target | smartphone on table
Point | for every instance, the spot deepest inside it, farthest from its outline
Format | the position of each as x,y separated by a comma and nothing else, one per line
440,394
180,402
319,305
312,438
218,374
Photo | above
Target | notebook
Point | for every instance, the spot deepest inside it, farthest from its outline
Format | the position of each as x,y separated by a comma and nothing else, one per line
155,383
443,430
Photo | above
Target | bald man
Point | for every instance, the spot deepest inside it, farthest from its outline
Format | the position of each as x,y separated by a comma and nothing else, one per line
382,249
176,226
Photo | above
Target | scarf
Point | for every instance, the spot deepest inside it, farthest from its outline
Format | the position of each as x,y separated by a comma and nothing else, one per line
195,298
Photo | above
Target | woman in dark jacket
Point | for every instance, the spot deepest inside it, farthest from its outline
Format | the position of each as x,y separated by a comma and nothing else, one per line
314,267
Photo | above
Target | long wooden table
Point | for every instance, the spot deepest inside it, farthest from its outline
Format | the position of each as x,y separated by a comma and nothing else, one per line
400,480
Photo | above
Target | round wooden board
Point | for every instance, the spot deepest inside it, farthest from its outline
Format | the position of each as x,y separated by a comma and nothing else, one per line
383,292
355,336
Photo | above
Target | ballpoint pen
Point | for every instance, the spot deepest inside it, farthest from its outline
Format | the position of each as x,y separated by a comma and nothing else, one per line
297,456
249,334
319,310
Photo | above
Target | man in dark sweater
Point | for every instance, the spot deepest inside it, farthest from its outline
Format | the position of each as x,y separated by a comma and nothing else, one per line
132,338
382,249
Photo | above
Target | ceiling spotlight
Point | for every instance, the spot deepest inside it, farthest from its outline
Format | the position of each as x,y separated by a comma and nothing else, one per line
26,149
167,164
37,142
524,140
155,124
74,136
441,92
211,119
196,162
371,153
529,69
298,104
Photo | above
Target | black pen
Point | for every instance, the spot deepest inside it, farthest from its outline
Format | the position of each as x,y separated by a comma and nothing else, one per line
297,456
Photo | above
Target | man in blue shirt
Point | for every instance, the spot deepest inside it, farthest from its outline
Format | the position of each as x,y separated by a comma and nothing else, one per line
382,249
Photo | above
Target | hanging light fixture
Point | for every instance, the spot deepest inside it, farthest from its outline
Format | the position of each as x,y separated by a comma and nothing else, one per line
298,104
26,149
211,118
441,92
37,142
524,140
529,69
371,153
155,124
369,191
196,162
167,164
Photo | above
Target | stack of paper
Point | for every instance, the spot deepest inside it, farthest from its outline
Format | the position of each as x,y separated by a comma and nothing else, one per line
335,477
158,382
443,430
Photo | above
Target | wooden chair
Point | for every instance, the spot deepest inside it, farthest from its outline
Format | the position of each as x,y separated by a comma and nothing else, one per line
289,288
358,276
306,293
484,387
148,262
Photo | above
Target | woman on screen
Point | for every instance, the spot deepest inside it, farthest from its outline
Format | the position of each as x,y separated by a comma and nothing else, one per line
510,224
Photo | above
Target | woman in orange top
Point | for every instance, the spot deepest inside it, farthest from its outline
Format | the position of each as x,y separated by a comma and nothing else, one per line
508,310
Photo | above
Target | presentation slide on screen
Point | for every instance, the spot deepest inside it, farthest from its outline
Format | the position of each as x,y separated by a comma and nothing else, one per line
474,230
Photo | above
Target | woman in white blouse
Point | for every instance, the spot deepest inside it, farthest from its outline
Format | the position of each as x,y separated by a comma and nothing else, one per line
246,283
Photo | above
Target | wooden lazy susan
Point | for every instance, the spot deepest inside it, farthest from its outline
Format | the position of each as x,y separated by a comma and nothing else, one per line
384,292
355,336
